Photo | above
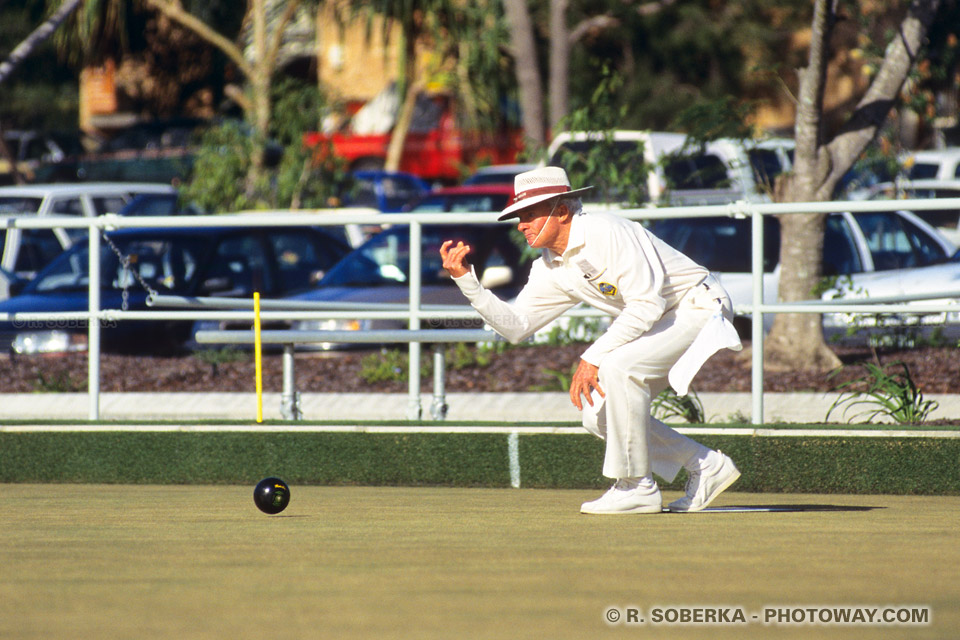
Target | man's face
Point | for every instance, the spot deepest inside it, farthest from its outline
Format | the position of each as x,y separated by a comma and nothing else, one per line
534,224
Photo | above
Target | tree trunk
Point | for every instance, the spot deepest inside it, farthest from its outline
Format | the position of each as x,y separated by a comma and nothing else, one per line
38,37
796,340
559,64
524,53
410,88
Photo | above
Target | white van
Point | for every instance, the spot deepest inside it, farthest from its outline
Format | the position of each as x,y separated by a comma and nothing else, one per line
23,252
656,145
723,171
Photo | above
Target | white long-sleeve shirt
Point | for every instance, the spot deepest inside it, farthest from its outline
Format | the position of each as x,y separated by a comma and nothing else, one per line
610,263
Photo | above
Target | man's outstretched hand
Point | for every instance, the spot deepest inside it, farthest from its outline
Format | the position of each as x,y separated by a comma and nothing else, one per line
454,258
585,380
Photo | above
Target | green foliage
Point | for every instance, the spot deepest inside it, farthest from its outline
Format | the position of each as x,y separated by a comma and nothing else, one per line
571,330
393,365
882,393
58,383
218,180
723,117
668,405
618,175
216,357
386,365
558,379
302,181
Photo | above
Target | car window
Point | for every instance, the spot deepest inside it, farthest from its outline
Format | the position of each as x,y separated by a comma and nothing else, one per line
720,244
19,204
67,206
302,260
36,150
70,272
923,170
108,204
896,243
766,166
167,265
840,255
705,171
38,247
399,191
242,262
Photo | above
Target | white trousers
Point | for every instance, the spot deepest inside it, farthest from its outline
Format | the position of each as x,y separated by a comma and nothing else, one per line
633,375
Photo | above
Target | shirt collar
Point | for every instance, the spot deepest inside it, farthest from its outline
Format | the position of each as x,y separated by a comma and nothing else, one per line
575,240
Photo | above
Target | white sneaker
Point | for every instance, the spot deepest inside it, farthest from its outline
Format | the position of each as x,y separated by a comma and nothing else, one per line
704,485
626,496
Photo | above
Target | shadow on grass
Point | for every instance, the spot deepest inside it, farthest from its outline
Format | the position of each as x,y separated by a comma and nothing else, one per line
786,508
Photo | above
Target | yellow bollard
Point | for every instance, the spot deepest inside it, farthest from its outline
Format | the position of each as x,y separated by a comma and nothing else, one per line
258,361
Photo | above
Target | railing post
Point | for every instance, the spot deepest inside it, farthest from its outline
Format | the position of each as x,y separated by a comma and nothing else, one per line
756,337
438,408
290,398
413,388
93,321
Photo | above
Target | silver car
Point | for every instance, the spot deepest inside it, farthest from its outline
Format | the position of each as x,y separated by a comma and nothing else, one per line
867,254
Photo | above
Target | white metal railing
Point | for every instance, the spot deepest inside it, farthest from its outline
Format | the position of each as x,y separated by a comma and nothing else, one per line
414,312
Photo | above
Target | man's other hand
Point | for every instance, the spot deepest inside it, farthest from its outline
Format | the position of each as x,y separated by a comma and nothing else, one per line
585,380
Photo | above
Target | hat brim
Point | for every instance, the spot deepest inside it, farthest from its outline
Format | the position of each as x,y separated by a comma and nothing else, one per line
513,211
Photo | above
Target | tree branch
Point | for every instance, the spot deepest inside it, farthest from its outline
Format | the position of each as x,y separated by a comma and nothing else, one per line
875,106
175,11
595,23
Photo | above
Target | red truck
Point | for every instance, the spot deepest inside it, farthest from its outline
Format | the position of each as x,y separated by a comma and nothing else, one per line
435,148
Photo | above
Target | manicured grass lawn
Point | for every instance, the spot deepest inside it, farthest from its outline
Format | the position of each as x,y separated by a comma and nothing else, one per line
120,561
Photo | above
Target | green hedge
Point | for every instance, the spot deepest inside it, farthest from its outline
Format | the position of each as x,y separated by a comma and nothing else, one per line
768,464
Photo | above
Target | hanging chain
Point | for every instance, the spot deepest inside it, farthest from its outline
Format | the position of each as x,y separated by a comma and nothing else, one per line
125,263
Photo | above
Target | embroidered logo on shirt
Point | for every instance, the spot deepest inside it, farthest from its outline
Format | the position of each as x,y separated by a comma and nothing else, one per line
607,289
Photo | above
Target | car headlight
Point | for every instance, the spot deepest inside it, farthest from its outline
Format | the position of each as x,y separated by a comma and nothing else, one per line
55,341
331,324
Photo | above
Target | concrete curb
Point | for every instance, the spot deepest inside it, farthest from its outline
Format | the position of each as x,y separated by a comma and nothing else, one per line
510,407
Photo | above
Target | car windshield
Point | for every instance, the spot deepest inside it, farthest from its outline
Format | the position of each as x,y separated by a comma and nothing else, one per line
19,204
385,260
165,264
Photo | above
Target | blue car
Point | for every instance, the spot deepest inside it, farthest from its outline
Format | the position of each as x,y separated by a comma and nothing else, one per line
222,261
386,191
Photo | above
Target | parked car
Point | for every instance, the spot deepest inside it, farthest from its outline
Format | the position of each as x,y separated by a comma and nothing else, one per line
947,220
23,252
855,246
379,271
497,174
475,198
386,191
158,204
721,171
32,149
941,164
229,261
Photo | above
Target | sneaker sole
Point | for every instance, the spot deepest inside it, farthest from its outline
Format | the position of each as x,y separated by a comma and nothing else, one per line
642,509
723,487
